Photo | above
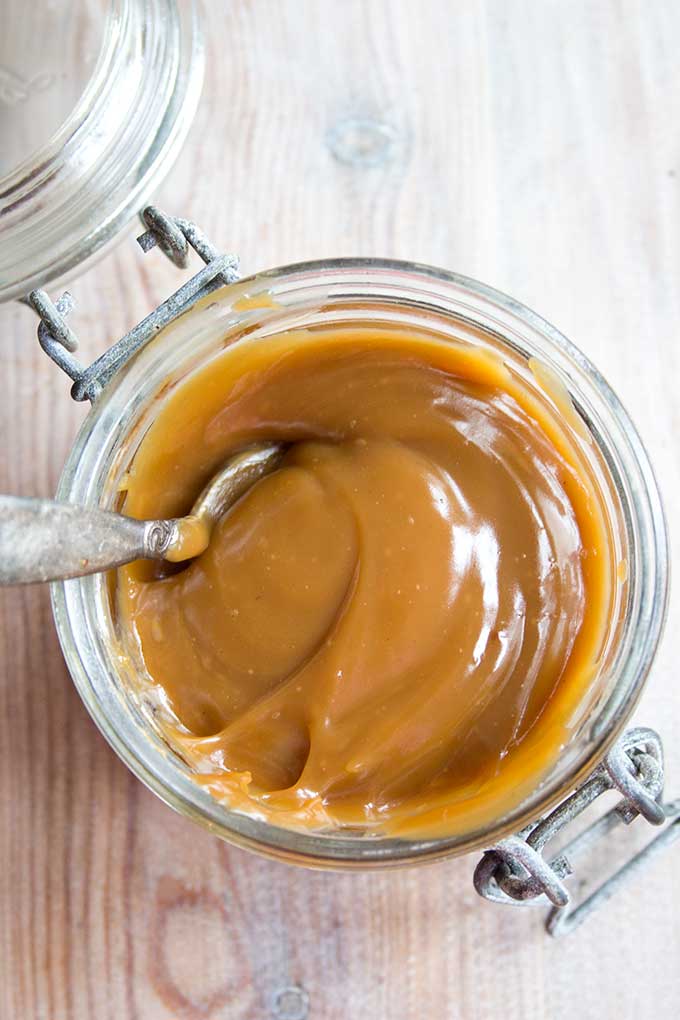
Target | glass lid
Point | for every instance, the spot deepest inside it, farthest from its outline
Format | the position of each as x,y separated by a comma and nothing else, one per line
95,101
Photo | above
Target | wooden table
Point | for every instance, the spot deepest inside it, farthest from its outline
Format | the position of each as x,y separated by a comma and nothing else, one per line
533,144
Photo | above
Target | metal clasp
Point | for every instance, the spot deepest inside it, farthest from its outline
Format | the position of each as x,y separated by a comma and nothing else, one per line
174,237
514,871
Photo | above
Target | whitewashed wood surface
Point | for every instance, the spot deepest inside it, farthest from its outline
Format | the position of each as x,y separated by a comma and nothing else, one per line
533,144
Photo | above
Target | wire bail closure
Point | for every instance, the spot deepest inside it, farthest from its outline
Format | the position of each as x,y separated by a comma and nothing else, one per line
174,237
515,872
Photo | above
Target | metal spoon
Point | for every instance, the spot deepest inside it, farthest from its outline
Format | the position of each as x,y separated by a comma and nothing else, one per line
43,540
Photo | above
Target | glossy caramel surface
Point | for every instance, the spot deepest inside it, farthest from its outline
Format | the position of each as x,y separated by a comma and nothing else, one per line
397,627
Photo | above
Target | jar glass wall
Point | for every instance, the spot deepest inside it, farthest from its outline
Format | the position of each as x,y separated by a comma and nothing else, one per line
345,292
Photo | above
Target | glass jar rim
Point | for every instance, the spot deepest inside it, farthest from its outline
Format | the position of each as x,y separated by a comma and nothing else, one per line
75,194
175,787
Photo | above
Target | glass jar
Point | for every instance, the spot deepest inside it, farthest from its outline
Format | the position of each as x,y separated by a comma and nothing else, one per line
95,102
347,291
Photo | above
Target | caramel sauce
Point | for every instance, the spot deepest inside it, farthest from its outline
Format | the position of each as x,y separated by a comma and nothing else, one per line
397,628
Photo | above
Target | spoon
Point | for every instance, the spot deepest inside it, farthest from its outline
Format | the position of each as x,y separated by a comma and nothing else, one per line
43,540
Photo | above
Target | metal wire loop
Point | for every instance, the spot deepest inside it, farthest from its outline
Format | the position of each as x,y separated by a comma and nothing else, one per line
165,232
55,317
514,870
174,236
640,794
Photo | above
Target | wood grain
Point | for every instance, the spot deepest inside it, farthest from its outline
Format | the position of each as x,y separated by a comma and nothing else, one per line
534,145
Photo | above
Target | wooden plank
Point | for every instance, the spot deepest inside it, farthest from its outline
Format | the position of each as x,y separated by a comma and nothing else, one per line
532,145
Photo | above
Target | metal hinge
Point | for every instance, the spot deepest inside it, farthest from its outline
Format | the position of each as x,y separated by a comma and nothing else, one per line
514,870
174,237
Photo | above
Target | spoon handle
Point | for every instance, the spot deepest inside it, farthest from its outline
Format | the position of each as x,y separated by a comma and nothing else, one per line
43,540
